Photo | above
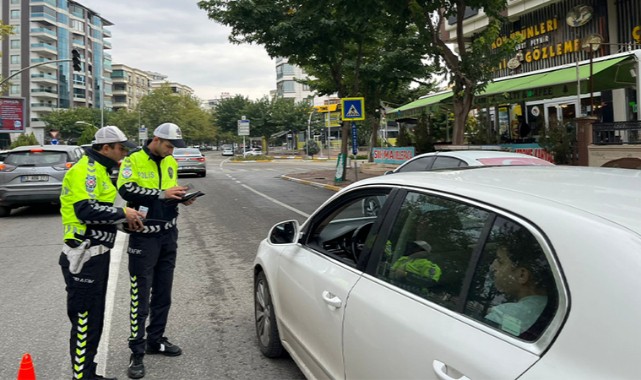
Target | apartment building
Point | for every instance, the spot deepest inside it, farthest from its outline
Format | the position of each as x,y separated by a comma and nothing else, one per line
47,31
129,86
158,80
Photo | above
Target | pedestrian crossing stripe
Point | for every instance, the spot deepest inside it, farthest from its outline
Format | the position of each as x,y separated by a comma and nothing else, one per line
352,109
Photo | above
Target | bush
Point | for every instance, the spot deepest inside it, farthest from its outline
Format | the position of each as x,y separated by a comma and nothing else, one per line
25,139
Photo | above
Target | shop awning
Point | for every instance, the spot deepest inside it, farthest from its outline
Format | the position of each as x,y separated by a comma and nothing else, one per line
608,74
415,108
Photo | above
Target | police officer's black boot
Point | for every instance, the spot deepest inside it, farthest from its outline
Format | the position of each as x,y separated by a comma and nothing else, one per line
136,368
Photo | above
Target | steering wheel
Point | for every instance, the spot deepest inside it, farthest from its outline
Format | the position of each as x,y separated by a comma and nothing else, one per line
358,239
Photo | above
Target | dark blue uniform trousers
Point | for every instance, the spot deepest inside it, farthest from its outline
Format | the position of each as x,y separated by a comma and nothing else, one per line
152,259
86,292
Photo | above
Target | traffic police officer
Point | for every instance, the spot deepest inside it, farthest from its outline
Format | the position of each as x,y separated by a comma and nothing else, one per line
148,182
89,221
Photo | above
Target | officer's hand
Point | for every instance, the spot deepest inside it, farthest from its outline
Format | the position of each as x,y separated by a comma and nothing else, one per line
176,192
134,219
189,202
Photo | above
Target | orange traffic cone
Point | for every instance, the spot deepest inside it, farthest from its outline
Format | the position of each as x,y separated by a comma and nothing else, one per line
26,370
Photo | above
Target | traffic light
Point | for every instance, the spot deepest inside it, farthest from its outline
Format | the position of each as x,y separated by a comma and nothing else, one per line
75,59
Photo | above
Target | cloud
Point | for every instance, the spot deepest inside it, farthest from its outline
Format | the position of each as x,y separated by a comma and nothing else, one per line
177,39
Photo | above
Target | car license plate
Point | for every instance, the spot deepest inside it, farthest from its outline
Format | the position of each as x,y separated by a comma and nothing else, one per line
35,178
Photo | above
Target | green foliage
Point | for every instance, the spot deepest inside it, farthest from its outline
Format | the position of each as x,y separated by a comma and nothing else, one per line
162,105
560,141
468,64
311,148
227,113
347,47
87,136
404,138
25,139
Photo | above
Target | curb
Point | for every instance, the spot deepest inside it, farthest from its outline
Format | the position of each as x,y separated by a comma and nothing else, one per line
311,183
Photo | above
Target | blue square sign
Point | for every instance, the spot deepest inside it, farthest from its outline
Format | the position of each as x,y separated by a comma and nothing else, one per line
353,109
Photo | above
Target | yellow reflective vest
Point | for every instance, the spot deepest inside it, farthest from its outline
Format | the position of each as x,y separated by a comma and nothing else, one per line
142,181
86,201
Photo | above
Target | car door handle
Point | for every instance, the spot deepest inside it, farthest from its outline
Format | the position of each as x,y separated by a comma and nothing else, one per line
440,369
331,300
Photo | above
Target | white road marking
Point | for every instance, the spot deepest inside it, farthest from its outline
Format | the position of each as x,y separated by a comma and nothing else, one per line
277,201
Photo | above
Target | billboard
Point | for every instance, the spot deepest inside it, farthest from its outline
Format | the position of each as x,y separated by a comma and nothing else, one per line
11,114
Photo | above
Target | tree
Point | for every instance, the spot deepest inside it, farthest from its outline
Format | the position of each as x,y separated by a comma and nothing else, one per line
332,40
471,62
164,106
71,123
25,139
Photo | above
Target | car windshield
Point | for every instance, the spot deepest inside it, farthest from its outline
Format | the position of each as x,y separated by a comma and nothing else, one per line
41,158
186,152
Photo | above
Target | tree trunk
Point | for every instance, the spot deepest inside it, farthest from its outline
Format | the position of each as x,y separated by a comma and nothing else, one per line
462,107
373,140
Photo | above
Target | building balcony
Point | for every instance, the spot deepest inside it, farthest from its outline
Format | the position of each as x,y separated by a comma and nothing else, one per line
106,33
42,107
44,49
49,2
43,93
43,60
44,78
106,44
44,18
44,34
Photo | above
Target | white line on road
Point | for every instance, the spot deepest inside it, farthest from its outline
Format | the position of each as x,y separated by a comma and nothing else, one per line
276,201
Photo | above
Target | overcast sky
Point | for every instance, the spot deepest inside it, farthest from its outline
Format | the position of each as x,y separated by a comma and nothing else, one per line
175,38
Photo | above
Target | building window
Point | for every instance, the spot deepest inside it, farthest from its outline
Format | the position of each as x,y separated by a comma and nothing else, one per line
288,69
15,14
15,59
15,89
288,86
15,1
15,44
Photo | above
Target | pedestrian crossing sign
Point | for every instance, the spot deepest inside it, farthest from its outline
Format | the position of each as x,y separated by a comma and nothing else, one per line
353,109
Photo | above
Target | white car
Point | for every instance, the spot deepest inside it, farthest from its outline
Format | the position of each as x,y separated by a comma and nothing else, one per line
465,158
253,152
227,151
487,273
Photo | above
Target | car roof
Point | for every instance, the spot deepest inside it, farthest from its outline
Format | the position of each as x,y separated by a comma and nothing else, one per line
51,148
472,157
609,193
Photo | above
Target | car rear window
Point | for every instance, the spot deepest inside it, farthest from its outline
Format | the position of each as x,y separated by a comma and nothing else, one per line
42,158
187,152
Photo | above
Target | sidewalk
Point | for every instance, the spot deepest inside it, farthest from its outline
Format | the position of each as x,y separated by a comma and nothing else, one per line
325,178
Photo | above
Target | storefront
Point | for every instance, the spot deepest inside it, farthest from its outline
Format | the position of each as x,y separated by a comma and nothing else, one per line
576,58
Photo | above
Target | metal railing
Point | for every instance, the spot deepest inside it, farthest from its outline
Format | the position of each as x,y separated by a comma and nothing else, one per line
617,133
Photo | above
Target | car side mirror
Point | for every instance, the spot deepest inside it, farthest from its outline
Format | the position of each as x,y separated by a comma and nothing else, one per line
284,233
388,172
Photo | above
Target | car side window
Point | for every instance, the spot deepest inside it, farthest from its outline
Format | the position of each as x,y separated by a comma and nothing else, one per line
447,163
513,288
343,233
417,165
430,246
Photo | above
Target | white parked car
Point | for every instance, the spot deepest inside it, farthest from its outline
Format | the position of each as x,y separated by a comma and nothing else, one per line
253,152
487,273
465,158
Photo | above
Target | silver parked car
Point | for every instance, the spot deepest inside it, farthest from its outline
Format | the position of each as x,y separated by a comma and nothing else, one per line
190,160
486,273
33,174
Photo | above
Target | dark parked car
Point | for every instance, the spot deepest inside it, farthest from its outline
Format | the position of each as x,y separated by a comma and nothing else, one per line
33,174
190,160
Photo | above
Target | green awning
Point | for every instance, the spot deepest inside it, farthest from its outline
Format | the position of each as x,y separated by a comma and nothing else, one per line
608,74
415,108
